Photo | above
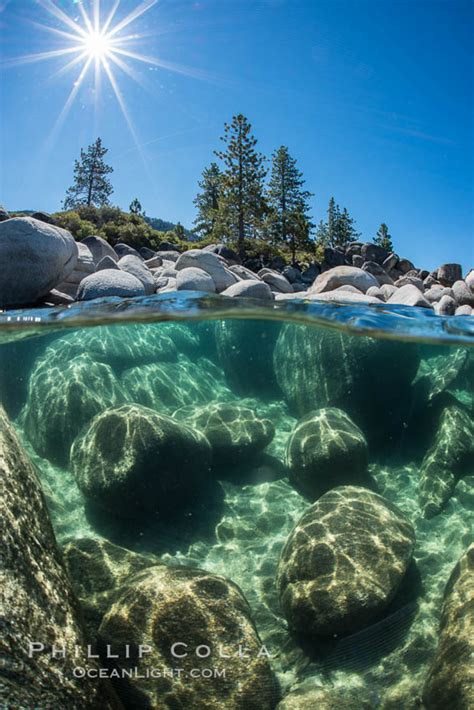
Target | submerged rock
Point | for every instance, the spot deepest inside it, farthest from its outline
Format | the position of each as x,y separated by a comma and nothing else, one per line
235,433
449,458
35,257
437,373
119,346
343,562
325,698
38,604
98,571
369,379
193,609
169,386
63,396
245,351
326,449
450,681
132,459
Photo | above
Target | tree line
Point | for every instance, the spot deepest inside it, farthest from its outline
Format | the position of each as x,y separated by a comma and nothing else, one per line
238,198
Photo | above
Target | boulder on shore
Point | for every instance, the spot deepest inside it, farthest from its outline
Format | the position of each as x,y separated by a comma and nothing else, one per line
342,276
35,257
108,283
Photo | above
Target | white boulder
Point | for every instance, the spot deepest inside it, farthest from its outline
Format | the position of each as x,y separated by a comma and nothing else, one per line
35,257
249,288
409,295
135,266
342,276
211,264
193,279
110,282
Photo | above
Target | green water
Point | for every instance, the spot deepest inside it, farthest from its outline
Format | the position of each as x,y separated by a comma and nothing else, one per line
256,420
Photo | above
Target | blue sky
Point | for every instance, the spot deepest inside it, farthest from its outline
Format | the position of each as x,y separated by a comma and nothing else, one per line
374,99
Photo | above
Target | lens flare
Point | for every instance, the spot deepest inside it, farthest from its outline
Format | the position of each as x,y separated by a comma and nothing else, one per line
95,44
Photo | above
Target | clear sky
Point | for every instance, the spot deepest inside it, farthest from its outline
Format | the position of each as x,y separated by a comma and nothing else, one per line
374,98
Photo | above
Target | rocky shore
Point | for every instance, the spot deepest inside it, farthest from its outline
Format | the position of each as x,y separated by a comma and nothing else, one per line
42,265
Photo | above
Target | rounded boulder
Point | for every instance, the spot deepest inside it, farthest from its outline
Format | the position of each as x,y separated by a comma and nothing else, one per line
326,449
132,459
108,283
35,257
343,562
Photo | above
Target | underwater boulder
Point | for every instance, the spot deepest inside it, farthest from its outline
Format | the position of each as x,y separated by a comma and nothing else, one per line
326,449
450,457
168,386
189,618
325,698
98,571
132,459
119,346
235,433
245,350
38,605
370,379
450,681
343,562
438,371
63,396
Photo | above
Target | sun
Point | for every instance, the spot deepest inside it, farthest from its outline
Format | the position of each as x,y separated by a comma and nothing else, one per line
97,45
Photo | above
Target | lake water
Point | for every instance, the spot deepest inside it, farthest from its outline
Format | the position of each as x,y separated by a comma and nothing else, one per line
200,433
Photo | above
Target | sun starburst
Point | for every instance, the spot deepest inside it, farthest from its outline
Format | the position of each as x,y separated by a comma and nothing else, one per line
95,45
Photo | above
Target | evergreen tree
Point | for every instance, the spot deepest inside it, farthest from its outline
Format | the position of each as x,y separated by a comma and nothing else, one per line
339,229
345,229
91,186
383,238
136,208
242,205
179,231
207,201
333,216
287,200
298,231
322,234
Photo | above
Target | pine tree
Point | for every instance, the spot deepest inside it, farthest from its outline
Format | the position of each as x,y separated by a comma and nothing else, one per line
383,238
136,208
333,215
91,186
322,234
287,200
242,205
299,231
339,229
179,231
207,201
345,229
